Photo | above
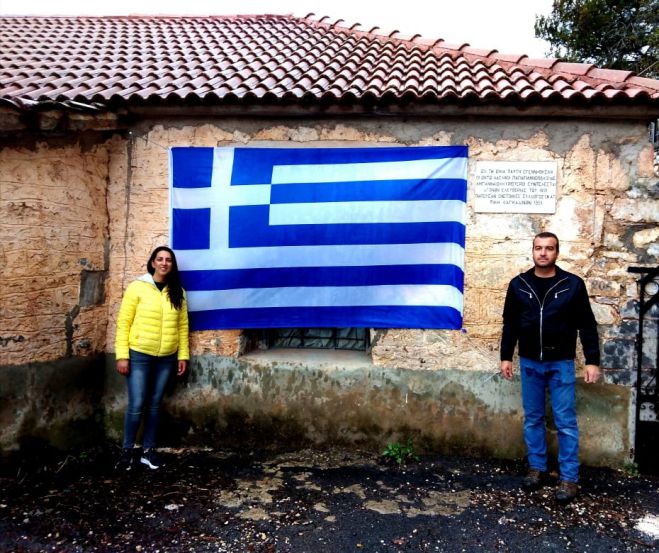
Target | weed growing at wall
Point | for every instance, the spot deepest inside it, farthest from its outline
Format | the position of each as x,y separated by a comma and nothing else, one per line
401,454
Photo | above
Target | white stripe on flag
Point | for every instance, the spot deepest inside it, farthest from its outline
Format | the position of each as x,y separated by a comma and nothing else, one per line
196,198
322,256
446,168
326,296
327,213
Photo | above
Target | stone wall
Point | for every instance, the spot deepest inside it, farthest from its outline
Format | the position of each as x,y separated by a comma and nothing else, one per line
606,216
79,221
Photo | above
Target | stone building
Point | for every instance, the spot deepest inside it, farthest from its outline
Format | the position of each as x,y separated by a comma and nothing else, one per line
88,110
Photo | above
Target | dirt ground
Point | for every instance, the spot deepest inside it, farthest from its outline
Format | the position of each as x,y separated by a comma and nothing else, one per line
314,501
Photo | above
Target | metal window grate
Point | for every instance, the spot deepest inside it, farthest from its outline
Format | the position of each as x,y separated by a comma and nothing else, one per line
318,338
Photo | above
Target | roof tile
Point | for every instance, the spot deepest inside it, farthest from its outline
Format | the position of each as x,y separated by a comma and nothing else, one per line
642,82
512,58
613,75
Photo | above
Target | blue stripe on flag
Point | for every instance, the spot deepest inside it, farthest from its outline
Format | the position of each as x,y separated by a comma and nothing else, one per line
381,316
254,165
322,276
429,189
248,228
192,167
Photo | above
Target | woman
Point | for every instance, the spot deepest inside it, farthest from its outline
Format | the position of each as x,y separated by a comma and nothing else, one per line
151,343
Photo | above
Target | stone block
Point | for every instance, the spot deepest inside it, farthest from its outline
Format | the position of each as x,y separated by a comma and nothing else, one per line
209,136
643,189
573,219
611,173
501,226
273,133
631,310
618,354
472,306
106,120
492,307
603,287
503,249
578,171
303,134
633,211
489,272
612,240
647,237
441,138
604,314
217,342
343,133
489,334
431,350
619,377
645,162
627,329
614,264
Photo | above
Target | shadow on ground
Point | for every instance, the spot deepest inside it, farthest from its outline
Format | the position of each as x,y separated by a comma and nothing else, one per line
315,501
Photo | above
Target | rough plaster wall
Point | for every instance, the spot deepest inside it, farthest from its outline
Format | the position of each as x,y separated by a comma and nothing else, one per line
606,217
53,227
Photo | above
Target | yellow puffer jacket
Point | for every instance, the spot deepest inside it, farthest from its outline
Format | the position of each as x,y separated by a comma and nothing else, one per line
148,323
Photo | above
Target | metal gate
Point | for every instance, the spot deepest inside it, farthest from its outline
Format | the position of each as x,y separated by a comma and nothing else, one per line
647,360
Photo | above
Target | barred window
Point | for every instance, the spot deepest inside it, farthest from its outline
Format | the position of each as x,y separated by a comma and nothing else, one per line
313,338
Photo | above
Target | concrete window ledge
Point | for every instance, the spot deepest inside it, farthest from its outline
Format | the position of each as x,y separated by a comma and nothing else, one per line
320,358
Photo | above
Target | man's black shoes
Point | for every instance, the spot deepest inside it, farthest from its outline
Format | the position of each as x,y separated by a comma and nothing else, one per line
566,491
534,480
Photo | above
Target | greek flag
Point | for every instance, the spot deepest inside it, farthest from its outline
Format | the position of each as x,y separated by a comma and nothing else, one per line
320,237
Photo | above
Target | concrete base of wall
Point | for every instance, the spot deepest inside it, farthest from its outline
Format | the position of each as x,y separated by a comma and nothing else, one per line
296,398
56,404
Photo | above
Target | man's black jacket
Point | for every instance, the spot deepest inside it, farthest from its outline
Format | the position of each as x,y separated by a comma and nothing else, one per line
546,328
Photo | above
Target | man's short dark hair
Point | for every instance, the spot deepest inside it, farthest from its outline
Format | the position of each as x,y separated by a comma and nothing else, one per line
547,235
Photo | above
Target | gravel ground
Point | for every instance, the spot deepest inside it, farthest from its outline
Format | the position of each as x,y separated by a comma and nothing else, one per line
315,501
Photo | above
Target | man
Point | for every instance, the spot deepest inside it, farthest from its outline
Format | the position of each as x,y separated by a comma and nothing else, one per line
545,308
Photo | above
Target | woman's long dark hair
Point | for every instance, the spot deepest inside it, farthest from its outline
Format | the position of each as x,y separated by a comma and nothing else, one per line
174,288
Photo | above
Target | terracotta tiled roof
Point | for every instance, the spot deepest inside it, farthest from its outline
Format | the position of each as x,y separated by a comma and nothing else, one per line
264,59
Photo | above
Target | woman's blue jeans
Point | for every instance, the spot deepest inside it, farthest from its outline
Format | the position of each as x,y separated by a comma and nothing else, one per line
559,377
146,381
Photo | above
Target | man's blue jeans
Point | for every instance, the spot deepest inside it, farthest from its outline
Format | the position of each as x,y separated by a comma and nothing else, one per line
559,377
146,381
